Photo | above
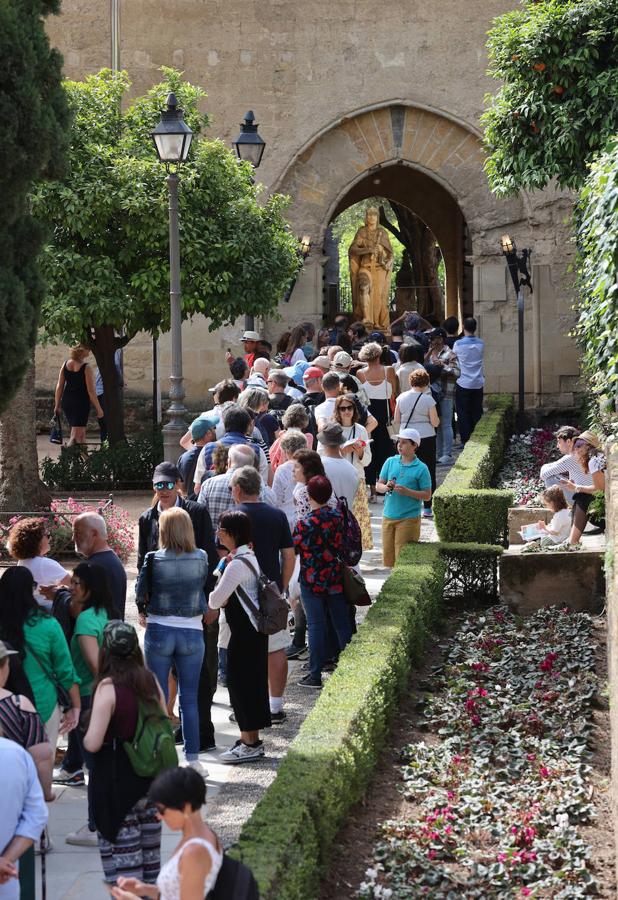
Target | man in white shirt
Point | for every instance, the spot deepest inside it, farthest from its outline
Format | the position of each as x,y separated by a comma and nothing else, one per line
469,351
325,412
341,473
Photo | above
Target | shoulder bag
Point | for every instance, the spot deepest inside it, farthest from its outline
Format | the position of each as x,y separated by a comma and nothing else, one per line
55,431
271,613
62,695
354,587
389,412
412,412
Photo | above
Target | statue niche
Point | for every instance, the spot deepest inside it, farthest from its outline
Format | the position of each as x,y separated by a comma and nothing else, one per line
371,264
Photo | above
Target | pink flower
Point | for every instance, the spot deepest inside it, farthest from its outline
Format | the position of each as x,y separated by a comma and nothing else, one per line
544,772
431,854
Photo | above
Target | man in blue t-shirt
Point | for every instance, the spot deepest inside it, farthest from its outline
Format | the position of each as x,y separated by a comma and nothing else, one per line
406,482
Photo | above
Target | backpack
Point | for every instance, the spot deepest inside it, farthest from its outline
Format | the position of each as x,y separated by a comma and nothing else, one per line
235,880
352,546
271,613
153,747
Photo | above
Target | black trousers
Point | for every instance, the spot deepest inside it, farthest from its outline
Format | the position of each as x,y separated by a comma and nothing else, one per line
469,406
426,452
205,690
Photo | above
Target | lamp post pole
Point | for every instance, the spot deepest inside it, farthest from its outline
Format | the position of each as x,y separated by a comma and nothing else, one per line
176,412
518,269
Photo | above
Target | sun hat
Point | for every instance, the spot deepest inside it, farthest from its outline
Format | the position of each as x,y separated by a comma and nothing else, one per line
251,336
590,438
166,471
120,638
408,434
322,362
312,372
295,372
331,435
202,425
4,651
342,360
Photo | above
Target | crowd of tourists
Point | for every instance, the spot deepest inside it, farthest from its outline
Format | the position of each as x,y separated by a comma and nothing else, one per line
268,507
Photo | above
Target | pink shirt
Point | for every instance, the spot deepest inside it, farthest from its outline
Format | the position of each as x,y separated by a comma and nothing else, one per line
276,453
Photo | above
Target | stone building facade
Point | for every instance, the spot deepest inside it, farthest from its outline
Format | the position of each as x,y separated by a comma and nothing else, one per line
355,99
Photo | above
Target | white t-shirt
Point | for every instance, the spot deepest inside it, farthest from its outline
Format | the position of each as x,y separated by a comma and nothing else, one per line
298,356
325,412
422,404
597,463
343,477
560,522
44,571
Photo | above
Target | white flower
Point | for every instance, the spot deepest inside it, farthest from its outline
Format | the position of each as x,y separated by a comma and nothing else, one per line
372,874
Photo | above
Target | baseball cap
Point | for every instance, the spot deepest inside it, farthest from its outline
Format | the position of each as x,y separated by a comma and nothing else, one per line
120,638
377,336
331,435
166,471
4,651
202,425
342,360
322,362
408,434
312,372
251,336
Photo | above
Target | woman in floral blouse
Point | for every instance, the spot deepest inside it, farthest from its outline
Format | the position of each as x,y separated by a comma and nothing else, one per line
318,539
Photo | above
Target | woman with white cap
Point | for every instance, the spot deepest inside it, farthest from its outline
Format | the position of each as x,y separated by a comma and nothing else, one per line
407,483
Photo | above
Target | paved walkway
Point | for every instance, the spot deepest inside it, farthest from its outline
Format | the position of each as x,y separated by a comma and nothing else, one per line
233,791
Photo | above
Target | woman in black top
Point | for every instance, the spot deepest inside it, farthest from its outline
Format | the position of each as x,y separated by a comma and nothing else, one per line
75,392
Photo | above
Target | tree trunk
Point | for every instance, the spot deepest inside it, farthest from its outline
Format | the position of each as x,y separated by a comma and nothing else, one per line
424,258
21,489
104,344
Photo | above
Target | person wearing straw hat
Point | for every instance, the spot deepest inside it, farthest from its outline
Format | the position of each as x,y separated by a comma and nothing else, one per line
588,453
407,483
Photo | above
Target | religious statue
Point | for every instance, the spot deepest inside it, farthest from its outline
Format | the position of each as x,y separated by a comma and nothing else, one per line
371,264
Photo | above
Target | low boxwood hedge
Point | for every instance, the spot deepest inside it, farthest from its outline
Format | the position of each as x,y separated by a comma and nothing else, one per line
287,840
466,508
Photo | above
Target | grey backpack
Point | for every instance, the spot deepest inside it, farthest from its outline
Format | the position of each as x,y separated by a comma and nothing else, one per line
271,613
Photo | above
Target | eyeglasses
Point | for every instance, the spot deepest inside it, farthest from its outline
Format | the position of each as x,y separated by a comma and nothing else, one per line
164,485
346,408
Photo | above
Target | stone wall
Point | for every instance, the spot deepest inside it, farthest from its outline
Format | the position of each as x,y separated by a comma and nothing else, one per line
611,534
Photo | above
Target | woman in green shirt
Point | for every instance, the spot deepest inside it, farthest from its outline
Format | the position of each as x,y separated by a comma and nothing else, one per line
40,641
93,607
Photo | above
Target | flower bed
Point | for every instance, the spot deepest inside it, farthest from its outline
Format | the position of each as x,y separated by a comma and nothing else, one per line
62,512
498,793
524,457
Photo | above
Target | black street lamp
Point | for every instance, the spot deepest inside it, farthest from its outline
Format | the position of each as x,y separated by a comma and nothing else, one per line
249,147
518,268
172,139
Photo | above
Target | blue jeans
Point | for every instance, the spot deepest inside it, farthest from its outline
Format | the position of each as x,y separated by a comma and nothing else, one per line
184,647
319,609
444,434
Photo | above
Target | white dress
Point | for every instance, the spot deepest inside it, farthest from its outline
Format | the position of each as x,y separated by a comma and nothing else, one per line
168,881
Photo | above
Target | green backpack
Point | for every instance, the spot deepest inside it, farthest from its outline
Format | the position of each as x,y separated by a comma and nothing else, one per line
153,747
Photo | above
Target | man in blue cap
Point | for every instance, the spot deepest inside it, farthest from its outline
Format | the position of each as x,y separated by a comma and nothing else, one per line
202,432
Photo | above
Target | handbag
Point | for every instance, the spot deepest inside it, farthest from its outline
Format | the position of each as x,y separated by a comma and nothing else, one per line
354,587
62,695
55,431
271,613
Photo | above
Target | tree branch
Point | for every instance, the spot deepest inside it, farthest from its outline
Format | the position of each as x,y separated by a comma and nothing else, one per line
390,227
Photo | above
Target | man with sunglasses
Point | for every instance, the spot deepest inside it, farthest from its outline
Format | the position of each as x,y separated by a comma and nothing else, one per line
167,486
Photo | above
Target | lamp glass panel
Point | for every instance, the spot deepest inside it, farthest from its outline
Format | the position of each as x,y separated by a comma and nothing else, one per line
170,146
250,152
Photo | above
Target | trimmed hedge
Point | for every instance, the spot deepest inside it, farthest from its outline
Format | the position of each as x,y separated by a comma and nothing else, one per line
287,840
471,571
466,509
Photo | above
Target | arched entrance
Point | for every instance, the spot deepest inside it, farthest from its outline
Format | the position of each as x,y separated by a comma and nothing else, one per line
422,158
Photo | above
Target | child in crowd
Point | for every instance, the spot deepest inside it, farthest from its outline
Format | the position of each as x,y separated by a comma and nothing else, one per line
560,526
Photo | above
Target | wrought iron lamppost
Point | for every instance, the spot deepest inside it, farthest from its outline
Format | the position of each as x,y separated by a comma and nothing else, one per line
518,268
249,147
172,139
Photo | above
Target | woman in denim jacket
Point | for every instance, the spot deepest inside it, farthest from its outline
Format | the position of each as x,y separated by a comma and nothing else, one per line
171,600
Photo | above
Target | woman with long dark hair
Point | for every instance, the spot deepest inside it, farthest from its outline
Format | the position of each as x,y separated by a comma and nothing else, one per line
129,832
294,351
42,646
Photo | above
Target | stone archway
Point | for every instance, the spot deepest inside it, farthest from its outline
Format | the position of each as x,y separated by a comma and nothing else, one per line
424,158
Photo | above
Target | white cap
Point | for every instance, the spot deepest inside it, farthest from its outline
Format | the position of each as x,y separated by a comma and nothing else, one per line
251,336
408,434
342,360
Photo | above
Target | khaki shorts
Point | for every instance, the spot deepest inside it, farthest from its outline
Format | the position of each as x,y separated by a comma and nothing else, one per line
396,533
278,641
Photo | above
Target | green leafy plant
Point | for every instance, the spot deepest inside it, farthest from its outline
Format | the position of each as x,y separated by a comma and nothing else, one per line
287,839
107,265
128,465
558,103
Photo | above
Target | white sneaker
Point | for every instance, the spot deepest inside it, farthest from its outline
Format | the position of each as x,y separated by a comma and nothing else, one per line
83,837
446,460
242,753
196,765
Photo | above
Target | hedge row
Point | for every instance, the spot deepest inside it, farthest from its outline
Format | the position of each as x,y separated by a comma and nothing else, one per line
287,840
466,508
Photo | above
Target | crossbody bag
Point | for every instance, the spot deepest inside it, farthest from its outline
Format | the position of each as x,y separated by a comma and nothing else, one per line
412,412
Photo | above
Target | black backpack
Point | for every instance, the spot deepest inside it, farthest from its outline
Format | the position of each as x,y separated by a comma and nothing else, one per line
235,880
352,546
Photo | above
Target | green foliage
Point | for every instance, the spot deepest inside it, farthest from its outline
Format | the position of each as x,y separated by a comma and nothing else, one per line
466,508
597,305
107,264
128,465
287,840
35,120
558,103
471,571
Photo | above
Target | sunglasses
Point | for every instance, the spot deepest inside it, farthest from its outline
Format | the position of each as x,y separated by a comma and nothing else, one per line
164,485
346,408
580,444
